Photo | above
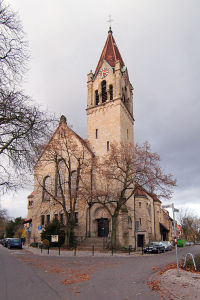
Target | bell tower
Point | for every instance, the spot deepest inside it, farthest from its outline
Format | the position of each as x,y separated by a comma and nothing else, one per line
110,101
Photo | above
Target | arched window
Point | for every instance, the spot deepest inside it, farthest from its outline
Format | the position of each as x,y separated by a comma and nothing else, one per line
96,97
73,181
111,92
60,178
46,189
129,222
103,91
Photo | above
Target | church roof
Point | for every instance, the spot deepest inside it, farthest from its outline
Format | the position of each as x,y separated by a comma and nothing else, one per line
63,120
110,53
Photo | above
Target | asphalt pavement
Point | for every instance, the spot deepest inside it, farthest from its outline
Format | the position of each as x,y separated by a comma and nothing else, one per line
30,274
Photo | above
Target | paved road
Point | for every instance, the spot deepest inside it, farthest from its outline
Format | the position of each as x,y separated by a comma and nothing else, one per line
24,275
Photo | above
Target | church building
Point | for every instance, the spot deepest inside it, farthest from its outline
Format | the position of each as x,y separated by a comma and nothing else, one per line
110,120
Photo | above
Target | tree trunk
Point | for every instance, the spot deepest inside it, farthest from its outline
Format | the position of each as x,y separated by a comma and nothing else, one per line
67,236
114,230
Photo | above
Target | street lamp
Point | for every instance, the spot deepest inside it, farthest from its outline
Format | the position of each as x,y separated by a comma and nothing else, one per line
175,237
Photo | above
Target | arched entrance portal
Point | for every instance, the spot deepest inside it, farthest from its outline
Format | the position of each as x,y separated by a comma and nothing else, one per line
103,227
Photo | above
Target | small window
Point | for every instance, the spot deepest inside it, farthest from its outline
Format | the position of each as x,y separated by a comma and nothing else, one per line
42,220
61,218
30,203
96,133
48,219
140,204
96,97
140,220
111,92
76,217
108,146
56,216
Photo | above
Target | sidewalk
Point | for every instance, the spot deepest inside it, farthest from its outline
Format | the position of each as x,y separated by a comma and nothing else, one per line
187,286
78,253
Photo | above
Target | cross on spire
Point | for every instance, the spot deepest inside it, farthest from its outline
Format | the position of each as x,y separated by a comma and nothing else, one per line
110,21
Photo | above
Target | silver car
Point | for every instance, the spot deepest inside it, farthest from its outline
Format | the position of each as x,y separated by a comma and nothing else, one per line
167,245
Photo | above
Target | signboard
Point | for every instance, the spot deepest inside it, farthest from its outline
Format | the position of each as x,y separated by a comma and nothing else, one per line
40,228
54,238
30,227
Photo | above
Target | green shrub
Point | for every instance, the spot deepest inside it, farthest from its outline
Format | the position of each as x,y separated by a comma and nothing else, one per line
53,228
189,263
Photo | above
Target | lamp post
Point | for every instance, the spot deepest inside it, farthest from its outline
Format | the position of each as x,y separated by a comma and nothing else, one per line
175,237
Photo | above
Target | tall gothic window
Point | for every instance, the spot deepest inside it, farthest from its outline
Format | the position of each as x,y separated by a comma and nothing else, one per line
42,220
96,97
60,178
73,181
111,92
46,188
103,91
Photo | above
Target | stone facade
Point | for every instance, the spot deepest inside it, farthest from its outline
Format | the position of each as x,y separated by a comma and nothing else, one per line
152,222
109,120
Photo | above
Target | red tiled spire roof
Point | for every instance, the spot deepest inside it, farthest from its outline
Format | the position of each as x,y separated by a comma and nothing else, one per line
110,53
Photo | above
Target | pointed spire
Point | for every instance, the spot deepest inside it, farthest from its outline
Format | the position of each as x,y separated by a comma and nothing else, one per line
110,52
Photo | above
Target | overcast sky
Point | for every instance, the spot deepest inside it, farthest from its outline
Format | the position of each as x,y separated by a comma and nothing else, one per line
160,45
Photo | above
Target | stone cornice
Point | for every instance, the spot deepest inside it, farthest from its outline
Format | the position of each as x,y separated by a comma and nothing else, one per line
106,105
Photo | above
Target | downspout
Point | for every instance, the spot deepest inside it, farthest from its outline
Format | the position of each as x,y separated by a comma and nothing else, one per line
154,221
134,223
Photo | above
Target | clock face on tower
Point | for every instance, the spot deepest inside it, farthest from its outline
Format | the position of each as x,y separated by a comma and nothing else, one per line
103,73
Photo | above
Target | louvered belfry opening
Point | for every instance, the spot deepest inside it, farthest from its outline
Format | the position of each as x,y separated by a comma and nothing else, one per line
103,90
96,97
111,92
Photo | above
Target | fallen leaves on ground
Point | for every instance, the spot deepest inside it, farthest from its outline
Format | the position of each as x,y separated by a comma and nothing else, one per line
155,268
167,267
77,277
154,285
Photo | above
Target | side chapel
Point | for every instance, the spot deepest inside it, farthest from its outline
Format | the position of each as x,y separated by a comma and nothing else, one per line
109,119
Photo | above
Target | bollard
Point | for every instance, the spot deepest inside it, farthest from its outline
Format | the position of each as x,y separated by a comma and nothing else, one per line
59,250
93,250
41,248
112,250
75,251
48,250
129,250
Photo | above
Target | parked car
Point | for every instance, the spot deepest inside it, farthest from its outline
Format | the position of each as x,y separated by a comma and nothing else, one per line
14,243
188,243
154,247
5,242
167,245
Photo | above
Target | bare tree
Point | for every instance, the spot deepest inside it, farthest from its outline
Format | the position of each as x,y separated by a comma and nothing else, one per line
13,48
22,127
117,176
3,222
63,162
22,124
190,224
